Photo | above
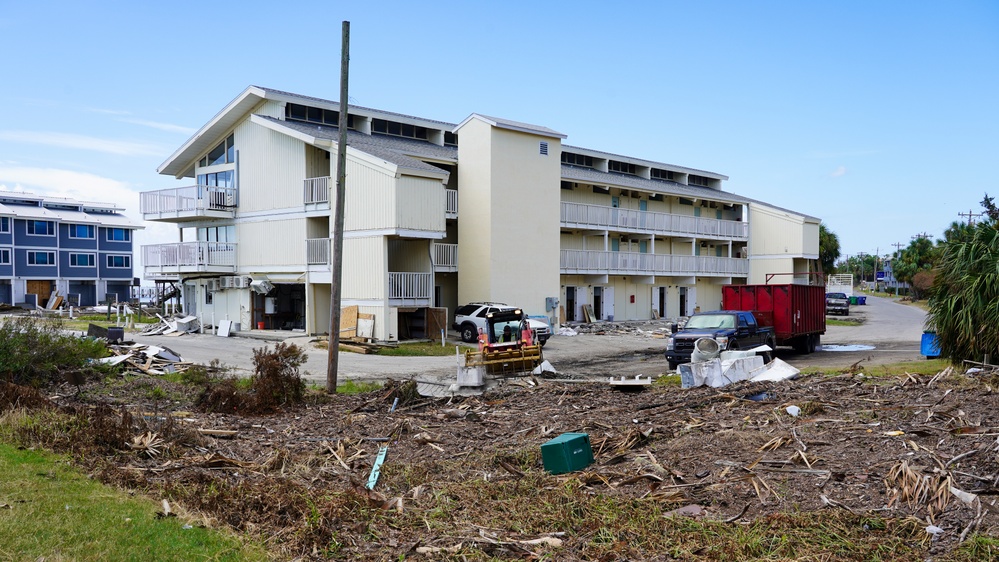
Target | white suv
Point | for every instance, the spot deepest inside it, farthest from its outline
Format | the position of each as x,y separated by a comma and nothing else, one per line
469,318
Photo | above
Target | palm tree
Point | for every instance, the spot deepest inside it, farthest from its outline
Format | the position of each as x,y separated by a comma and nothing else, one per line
964,306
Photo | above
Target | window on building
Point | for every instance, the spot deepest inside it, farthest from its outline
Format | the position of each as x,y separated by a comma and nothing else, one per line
308,114
82,260
621,167
41,258
4,224
218,179
81,231
119,235
698,180
224,153
567,185
119,262
450,139
384,127
5,257
577,159
658,174
41,228
685,201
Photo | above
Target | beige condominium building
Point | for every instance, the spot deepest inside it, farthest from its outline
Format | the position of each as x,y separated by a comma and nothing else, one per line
440,214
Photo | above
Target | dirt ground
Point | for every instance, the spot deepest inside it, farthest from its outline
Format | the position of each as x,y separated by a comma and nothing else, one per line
904,448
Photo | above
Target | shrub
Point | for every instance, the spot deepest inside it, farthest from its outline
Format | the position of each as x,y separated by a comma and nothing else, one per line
39,354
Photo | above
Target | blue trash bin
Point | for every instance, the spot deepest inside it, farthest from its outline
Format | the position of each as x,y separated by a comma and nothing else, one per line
861,300
929,346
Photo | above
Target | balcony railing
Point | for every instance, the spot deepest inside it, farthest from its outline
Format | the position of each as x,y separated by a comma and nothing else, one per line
451,208
188,203
625,263
189,257
410,287
317,251
599,216
317,191
445,257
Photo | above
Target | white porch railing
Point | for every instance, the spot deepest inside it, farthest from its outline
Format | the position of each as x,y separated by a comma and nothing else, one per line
445,257
317,190
451,207
187,199
624,263
599,216
190,255
317,251
410,286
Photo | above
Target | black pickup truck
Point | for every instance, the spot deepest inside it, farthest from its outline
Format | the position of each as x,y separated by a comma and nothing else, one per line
732,329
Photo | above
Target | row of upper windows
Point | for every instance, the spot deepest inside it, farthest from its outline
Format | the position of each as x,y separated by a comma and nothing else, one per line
75,260
309,114
628,168
85,231
224,153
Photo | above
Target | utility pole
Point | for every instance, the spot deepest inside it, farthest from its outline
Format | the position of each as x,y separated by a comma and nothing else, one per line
861,255
971,216
341,176
921,235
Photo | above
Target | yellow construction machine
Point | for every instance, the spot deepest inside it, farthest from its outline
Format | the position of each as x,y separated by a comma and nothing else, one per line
506,346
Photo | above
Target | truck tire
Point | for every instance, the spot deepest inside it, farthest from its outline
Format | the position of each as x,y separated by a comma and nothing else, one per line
672,365
813,342
768,356
469,333
801,344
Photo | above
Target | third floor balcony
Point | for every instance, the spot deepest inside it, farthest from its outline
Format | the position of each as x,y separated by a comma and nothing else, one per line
599,217
182,204
633,263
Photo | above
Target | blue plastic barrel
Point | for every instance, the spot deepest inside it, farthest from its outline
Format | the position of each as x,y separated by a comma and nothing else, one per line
929,346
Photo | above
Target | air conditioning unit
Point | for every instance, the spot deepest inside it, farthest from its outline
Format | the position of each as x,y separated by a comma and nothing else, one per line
212,285
241,282
225,282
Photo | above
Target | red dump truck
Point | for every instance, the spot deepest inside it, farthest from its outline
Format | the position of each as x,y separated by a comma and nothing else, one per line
796,312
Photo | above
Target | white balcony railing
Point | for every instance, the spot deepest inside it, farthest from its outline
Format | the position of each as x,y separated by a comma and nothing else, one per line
189,256
451,207
599,216
410,286
191,199
445,257
317,190
624,263
317,251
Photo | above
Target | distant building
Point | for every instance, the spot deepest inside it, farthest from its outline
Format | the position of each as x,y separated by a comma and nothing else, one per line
81,249
562,231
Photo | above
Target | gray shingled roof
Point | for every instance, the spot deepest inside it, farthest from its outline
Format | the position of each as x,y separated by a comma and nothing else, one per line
511,124
589,175
399,151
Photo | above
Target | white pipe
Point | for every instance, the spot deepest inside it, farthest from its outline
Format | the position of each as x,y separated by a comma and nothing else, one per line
442,337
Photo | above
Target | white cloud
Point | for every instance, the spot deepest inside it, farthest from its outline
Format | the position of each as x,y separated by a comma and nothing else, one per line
82,142
168,127
82,186
839,172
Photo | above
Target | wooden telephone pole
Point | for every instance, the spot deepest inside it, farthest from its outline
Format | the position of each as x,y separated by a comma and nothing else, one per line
341,176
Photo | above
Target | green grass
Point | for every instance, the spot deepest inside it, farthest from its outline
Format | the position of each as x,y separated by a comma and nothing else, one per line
48,510
356,387
839,322
421,349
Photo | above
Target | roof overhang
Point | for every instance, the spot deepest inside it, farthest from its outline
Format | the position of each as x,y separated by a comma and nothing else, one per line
511,126
181,163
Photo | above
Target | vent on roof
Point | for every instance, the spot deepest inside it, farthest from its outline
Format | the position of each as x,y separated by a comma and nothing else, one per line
544,148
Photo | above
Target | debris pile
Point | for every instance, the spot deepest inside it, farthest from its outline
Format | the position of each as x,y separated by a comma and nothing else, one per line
147,359
176,326
645,328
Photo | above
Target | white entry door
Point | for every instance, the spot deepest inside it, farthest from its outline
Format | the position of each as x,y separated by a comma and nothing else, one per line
608,303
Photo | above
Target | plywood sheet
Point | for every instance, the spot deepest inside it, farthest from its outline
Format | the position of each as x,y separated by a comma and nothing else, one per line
348,322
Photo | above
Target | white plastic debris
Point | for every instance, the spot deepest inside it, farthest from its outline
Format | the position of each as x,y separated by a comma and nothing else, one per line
567,331
793,410
934,530
776,370
544,367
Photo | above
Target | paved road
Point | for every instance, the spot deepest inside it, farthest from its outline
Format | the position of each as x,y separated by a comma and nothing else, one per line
894,330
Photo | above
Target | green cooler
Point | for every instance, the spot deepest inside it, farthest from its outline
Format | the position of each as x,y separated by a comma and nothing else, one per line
567,453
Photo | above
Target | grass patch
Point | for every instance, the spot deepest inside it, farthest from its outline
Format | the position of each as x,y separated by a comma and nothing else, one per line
842,322
57,513
356,387
422,349
668,381
929,367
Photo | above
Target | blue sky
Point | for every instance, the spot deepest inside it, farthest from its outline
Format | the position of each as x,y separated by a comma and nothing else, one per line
880,118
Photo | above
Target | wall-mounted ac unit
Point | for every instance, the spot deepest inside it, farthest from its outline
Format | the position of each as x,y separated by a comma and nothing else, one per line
225,282
212,285
241,282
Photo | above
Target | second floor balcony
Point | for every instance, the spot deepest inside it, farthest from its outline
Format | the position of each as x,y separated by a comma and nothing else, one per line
316,193
445,257
410,289
191,203
172,260
633,263
599,217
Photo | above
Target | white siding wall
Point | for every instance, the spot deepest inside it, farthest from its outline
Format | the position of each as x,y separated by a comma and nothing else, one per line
364,268
420,204
271,169
271,243
409,255
369,199
773,232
